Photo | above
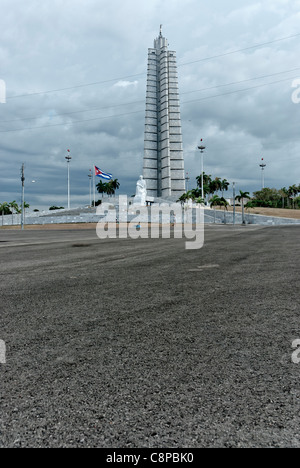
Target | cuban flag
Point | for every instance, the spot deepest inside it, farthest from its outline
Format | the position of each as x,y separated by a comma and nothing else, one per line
103,175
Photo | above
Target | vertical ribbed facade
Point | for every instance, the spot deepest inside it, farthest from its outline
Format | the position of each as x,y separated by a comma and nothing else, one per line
163,152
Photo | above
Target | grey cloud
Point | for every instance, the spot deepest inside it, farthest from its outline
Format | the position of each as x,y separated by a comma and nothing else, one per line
46,46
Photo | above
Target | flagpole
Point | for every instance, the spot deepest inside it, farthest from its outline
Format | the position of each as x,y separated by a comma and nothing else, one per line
90,184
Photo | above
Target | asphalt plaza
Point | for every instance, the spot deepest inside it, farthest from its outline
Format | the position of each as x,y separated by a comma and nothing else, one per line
142,343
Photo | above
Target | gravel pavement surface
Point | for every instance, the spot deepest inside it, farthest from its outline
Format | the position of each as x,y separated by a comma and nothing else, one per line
142,344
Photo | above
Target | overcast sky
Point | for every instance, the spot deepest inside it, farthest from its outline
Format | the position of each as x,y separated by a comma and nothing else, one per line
75,75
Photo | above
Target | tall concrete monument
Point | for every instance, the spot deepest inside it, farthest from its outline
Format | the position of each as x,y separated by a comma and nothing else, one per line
163,153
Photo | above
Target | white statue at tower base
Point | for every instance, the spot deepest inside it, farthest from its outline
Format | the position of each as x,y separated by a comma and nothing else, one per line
141,192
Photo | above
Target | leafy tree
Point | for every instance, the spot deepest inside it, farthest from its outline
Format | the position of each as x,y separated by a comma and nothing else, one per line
267,197
274,198
249,205
283,192
293,191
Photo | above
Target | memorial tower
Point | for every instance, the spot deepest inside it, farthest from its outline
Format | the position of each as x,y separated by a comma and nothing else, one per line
163,153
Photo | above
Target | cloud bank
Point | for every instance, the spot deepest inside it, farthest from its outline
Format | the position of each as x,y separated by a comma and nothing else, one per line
75,78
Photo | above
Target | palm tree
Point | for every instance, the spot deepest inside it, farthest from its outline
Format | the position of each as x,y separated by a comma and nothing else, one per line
191,195
206,179
219,201
283,192
214,201
183,198
224,202
199,200
241,198
206,183
115,184
249,205
5,208
213,186
224,186
109,188
217,184
194,193
293,192
14,206
101,187
112,186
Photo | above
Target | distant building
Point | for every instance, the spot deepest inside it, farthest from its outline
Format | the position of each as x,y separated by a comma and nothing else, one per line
163,152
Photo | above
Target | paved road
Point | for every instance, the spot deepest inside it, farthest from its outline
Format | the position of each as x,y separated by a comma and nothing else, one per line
141,343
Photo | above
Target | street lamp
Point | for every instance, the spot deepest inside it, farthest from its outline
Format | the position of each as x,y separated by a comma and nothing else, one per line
187,181
68,158
23,198
202,148
233,194
262,165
